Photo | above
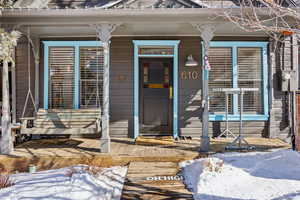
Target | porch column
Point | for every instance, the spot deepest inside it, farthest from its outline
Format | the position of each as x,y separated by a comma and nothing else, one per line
207,33
104,32
8,42
6,144
14,89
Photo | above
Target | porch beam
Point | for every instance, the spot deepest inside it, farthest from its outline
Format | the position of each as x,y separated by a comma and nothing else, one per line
206,33
104,33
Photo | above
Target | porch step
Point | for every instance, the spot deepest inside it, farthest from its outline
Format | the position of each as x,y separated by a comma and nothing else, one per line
163,140
154,180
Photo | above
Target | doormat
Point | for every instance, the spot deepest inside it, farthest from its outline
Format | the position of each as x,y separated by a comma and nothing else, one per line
163,140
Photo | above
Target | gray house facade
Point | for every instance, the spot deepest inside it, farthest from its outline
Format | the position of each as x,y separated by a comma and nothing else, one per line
143,64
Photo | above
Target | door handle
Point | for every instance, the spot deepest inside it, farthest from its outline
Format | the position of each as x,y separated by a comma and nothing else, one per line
171,92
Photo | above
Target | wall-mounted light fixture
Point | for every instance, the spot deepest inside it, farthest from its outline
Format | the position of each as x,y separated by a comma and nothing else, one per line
190,62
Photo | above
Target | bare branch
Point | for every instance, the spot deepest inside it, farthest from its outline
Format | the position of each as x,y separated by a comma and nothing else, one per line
269,16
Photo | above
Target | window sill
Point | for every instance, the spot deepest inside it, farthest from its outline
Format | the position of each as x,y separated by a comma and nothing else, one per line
245,117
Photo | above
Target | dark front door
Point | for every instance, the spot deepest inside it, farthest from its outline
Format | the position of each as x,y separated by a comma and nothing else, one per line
156,99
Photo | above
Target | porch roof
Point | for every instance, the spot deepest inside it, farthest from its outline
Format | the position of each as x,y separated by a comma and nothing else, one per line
113,4
110,4
141,22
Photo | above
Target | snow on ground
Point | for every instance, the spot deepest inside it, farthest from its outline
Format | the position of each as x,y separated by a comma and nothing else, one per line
257,176
56,184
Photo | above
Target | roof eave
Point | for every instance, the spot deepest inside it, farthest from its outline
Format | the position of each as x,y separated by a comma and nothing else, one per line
96,12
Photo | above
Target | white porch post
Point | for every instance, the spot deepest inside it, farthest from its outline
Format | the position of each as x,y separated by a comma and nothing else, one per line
8,43
207,33
6,142
104,32
14,89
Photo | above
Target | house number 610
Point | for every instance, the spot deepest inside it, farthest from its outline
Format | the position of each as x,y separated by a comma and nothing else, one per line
189,75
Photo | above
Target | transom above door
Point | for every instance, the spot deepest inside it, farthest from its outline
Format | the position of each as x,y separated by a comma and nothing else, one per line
73,74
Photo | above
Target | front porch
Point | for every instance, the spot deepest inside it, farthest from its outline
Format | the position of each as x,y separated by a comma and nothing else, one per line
108,54
57,153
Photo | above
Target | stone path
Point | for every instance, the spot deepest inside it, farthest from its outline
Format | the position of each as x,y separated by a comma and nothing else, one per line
154,180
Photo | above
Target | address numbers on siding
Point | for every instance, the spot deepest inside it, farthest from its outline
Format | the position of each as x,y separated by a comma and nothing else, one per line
190,75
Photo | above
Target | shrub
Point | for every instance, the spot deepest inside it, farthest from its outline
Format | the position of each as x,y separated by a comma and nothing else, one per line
71,171
94,171
5,181
213,165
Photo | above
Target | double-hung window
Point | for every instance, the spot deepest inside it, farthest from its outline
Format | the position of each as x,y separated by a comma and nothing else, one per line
73,74
238,65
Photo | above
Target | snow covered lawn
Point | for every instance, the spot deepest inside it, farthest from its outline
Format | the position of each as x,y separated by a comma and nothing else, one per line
257,175
74,183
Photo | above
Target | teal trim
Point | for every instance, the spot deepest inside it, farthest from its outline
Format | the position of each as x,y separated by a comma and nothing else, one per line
76,45
175,95
156,56
156,42
136,92
46,77
77,78
246,117
235,77
72,43
235,45
137,44
265,79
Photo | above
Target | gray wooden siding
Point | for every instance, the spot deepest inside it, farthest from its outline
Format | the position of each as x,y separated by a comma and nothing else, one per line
279,122
22,78
121,87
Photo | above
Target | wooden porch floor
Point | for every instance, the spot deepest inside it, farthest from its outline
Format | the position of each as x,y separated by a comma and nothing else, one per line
56,153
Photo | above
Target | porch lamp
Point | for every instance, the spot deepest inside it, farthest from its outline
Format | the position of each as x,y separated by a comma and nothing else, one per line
190,62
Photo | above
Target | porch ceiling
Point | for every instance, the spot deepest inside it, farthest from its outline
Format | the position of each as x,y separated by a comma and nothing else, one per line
135,29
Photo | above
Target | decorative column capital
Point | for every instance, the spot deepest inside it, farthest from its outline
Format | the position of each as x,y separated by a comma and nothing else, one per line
104,30
207,32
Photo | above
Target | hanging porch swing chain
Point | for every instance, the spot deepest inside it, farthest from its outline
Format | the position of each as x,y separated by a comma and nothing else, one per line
29,93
